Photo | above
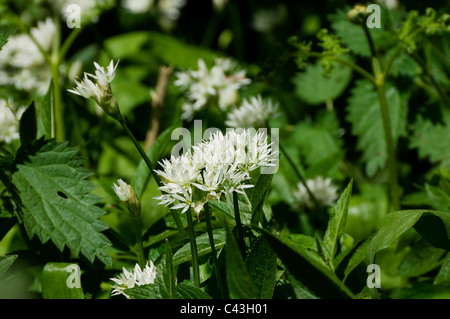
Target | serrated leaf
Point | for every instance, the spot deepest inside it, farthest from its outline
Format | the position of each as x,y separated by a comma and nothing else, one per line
314,88
56,202
240,285
203,247
61,281
262,266
353,36
429,141
4,36
367,124
336,224
6,262
148,291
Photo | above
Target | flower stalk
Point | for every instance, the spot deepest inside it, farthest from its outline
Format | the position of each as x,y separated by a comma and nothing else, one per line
193,243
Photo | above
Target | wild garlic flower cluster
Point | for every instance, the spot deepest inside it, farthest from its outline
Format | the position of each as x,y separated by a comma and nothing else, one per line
214,167
253,112
322,189
218,86
137,277
9,121
166,11
100,91
22,64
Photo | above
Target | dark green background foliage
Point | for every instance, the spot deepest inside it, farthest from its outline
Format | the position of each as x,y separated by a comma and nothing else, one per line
58,208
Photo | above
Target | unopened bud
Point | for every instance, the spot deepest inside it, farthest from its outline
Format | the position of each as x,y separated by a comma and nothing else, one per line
129,197
358,15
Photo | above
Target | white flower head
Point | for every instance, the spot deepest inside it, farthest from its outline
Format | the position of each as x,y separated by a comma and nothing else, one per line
218,85
136,277
127,195
100,91
322,189
216,166
254,112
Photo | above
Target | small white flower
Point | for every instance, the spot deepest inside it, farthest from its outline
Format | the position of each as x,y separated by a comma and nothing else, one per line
138,6
218,85
322,189
137,277
122,190
254,112
9,121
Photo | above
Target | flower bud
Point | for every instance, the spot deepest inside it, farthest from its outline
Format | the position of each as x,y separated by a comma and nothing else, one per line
358,15
127,195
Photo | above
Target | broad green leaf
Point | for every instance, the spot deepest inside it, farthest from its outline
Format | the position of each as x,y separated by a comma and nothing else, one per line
240,285
429,141
314,88
169,272
257,196
423,290
6,262
56,202
27,125
336,224
148,291
226,209
61,281
262,267
422,258
185,291
315,276
367,124
44,106
203,247
444,271
300,291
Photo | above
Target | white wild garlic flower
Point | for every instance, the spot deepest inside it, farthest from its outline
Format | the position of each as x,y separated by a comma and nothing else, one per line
322,189
100,91
136,277
254,112
217,86
22,64
127,195
214,167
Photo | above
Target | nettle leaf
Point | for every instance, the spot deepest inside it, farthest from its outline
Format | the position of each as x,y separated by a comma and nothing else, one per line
353,36
365,115
56,202
4,35
315,88
429,141
262,267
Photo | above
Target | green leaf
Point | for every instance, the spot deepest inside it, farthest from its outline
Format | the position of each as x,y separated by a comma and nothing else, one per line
427,138
314,88
262,266
240,285
257,195
44,106
203,247
169,272
61,281
336,224
56,202
6,262
185,291
353,36
444,271
27,125
367,124
315,276
422,258
4,35
435,229
300,291
148,291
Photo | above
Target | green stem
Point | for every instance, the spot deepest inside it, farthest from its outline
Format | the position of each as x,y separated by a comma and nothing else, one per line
57,110
195,265
137,223
237,217
213,248
299,175
392,161
67,43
